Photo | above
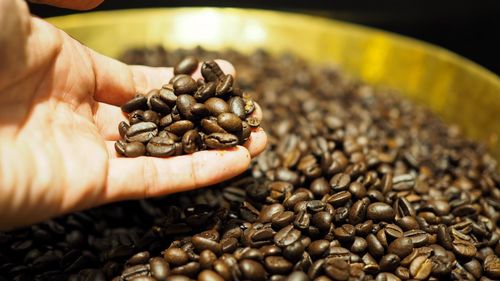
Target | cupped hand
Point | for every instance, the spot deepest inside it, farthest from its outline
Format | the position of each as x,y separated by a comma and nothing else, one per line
59,111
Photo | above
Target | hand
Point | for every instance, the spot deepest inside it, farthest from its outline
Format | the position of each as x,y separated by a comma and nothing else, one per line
59,111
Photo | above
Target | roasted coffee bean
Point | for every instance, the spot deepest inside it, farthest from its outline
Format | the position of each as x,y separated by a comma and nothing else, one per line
340,182
180,127
286,236
389,262
220,140
191,141
345,233
269,211
253,121
339,199
209,275
186,66
230,122
277,265
177,278
205,92
134,149
184,84
374,246
185,104
463,248
492,266
141,257
120,147
201,243
211,126
199,110
157,104
141,132
294,251
207,258
283,219
297,276
161,147
402,247
420,268
225,85
167,95
237,107
216,106
357,212
211,71
359,245
176,256
159,268
139,102
252,270
151,116
123,128
379,211
136,116
322,220
337,269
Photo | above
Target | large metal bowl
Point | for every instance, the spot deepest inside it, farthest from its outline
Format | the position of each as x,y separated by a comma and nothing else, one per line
455,88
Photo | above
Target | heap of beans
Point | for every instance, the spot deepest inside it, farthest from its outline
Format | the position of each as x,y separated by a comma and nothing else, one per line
186,116
356,184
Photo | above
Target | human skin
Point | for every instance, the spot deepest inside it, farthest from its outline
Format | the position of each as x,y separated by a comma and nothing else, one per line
59,111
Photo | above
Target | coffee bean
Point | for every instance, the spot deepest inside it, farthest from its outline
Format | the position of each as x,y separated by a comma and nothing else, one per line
216,106
205,92
184,85
141,132
157,104
177,278
252,270
159,268
134,149
420,268
191,141
402,247
337,269
339,198
135,271
209,275
253,121
201,243
190,269
237,107
294,251
139,102
161,147
220,140
286,236
357,212
176,256
297,276
199,110
491,266
357,189
374,246
389,262
269,211
151,116
167,95
379,211
463,248
123,128
419,238
180,127
340,182
225,85
345,233
141,257
185,104
186,66
322,220
211,126
211,71
283,219
277,265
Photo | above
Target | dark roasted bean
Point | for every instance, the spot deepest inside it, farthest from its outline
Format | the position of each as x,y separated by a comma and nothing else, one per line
184,84
186,66
139,102
220,140
141,132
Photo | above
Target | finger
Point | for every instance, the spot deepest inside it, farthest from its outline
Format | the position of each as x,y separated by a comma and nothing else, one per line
257,142
71,4
133,178
116,82
107,117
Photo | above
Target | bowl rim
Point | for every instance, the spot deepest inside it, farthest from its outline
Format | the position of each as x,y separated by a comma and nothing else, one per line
106,17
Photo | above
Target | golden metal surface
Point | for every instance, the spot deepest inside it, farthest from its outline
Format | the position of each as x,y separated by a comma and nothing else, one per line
455,88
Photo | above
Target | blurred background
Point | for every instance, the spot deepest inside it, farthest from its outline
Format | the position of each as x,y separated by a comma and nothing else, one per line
469,28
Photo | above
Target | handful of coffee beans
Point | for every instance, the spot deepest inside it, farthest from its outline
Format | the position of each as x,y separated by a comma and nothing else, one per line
186,116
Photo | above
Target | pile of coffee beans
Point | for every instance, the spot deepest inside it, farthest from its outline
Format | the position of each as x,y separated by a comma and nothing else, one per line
356,184
186,116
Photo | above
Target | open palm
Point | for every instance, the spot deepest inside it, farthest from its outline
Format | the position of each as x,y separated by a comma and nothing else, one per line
59,110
